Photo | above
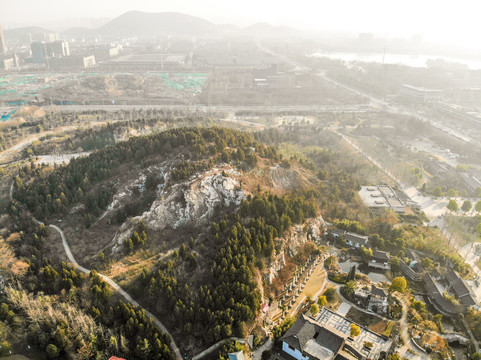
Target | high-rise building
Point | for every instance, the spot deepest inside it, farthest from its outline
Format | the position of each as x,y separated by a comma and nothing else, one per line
58,48
3,44
39,52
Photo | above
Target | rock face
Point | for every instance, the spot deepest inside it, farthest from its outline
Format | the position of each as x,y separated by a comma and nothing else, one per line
298,235
190,203
276,264
193,203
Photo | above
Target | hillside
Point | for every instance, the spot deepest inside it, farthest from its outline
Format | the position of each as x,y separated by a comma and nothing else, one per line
157,211
202,226
150,25
14,34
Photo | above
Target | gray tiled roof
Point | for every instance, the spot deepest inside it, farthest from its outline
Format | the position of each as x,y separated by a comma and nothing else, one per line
303,330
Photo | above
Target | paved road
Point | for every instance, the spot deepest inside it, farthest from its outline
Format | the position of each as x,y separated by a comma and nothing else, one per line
117,288
399,109
377,102
257,354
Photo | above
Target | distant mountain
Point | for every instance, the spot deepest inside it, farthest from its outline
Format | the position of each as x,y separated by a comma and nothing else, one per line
142,24
151,25
228,29
14,34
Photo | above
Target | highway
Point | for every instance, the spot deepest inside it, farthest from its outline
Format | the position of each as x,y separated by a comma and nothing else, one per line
378,103
203,108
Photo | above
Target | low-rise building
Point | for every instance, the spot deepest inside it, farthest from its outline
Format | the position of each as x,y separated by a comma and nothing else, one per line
456,285
157,61
437,299
337,232
374,299
381,197
420,94
355,240
380,260
415,272
352,239
468,96
378,300
471,182
328,337
8,63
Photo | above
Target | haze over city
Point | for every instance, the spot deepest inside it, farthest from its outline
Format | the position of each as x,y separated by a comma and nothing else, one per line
439,21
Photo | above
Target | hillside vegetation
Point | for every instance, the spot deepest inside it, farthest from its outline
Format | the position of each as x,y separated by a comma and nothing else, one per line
202,278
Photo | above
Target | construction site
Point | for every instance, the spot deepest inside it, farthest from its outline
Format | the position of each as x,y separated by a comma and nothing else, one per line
100,88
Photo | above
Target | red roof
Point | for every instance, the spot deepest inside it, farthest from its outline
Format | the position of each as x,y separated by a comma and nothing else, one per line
116,358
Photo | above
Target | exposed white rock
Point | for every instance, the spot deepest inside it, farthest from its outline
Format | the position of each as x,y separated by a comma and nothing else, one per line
191,203
284,178
276,264
127,190
194,202
296,237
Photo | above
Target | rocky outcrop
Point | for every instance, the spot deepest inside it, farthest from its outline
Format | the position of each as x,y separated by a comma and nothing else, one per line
190,203
299,234
193,203
276,264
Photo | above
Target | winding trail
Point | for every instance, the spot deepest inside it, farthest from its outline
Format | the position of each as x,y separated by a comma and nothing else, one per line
403,325
117,288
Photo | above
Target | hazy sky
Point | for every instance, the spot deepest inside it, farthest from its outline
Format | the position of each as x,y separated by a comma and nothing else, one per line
451,21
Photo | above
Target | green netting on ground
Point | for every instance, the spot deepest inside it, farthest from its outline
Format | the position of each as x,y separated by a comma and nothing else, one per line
183,81
3,92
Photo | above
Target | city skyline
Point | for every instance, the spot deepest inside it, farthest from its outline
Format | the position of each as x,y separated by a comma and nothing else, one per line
435,21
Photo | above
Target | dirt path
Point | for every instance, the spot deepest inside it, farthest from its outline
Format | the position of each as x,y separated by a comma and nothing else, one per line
403,324
117,288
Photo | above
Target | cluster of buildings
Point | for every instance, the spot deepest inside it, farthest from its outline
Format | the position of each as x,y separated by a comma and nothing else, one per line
438,284
379,260
56,55
328,337
46,50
